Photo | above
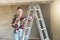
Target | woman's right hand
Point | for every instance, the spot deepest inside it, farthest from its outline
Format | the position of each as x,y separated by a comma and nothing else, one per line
13,24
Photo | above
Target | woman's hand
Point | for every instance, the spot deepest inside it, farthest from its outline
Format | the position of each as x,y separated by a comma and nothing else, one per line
14,24
31,17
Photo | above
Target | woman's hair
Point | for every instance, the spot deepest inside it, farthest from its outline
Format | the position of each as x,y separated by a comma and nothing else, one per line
19,8
15,16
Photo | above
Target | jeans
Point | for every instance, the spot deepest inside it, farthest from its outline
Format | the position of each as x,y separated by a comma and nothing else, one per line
18,34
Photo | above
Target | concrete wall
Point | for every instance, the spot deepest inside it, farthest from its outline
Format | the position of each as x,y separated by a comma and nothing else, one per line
55,20
6,16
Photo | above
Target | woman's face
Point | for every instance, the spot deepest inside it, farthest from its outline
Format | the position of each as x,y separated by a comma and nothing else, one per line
19,11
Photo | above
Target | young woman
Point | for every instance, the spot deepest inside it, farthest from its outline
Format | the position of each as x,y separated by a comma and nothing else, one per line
18,24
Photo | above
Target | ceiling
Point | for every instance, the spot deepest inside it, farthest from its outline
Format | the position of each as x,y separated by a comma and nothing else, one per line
23,2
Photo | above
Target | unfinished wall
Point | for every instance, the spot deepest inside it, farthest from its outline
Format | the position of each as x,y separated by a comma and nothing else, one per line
55,20
6,16
5,20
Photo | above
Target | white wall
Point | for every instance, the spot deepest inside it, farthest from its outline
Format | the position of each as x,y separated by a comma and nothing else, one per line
55,19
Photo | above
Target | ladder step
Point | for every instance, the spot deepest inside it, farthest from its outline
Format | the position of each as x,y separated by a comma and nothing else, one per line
37,9
43,29
47,39
26,36
40,19
27,27
31,9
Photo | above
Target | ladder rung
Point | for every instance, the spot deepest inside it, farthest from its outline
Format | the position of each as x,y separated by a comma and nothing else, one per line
37,9
40,19
31,9
27,27
26,36
47,39
43,28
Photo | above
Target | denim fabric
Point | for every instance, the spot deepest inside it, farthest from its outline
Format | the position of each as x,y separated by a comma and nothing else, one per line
18,34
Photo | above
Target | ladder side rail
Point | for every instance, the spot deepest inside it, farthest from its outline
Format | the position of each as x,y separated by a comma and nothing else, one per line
43,23
30,26
38,24
26,22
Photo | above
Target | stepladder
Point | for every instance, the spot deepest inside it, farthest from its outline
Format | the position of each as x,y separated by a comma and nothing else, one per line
35,11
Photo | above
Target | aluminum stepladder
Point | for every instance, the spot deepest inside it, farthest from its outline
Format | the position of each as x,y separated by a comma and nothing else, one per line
40,23
42,30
